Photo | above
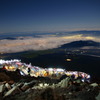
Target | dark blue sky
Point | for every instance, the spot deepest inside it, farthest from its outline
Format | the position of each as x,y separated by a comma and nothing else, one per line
49,15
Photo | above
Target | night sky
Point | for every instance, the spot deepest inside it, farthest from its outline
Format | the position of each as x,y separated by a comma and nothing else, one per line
49,15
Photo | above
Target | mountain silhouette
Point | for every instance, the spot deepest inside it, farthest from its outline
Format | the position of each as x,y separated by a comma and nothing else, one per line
81,43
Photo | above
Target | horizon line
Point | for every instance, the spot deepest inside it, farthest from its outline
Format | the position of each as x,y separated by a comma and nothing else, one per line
50,31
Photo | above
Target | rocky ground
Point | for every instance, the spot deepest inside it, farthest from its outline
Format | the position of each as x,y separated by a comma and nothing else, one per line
13,86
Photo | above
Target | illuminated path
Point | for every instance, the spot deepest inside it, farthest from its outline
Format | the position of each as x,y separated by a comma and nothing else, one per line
28,69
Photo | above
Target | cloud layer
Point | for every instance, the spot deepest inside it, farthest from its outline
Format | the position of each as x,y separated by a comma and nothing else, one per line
40,43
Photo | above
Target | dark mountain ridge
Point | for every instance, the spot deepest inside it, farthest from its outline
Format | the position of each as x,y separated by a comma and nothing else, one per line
81,43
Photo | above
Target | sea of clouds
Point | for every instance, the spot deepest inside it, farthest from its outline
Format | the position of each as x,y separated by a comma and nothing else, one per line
40,43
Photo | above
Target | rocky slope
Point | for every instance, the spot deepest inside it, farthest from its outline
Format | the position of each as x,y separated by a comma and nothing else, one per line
30,88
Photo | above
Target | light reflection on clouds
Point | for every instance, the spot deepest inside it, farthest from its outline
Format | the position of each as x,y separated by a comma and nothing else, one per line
40,43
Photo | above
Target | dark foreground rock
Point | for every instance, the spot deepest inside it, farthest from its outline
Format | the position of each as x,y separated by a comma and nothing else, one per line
13,86
66,89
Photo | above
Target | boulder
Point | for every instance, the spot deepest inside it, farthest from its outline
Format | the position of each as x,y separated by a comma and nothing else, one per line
13,91
25,87
7,86
2,88
28,85
98,97
64,82
94,84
